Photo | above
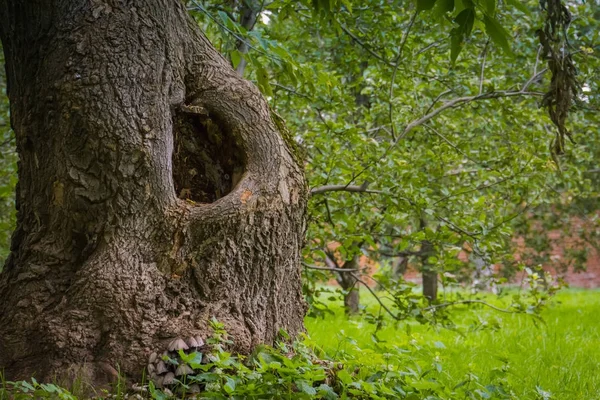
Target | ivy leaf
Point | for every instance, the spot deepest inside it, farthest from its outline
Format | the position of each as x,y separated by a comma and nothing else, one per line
497,33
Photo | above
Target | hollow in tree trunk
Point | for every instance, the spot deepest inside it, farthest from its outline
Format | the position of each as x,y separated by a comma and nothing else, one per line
155,192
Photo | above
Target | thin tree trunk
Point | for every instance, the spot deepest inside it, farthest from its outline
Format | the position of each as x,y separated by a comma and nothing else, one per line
155,192
430,284
429,274
249,11
399,266
350,285
347,281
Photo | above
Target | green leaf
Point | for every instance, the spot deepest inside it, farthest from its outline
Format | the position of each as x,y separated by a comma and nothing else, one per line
497,33
456,44
229,386
442,7
426,385
263,81
519,5
283,333
344,376
465,20
348,5
231,25
194,359
424,5
322,7
490,7
327,391
306,387
236,57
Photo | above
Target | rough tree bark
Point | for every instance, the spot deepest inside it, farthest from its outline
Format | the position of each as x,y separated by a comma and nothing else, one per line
155,191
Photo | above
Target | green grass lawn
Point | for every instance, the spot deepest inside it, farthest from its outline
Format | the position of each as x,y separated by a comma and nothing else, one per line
558,360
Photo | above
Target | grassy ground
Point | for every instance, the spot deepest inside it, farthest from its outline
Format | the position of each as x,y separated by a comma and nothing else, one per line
490,355
560,360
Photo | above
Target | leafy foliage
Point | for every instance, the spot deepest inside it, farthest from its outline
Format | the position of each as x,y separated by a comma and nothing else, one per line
437,148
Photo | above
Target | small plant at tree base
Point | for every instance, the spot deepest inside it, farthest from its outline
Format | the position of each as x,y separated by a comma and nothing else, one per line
301,370
33,390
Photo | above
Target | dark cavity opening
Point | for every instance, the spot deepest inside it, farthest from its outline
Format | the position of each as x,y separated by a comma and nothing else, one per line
207,161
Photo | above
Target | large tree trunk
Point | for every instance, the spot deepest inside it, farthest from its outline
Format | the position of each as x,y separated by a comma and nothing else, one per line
155,192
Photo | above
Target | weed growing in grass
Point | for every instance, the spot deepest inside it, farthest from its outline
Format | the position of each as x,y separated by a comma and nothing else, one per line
33,390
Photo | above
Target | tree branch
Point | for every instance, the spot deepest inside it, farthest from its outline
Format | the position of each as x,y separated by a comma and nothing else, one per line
439,96
332,269
533,79
343,188
364,46
483,57
460,101
249,12
391,314
290,90
480,187
397,64
404,253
